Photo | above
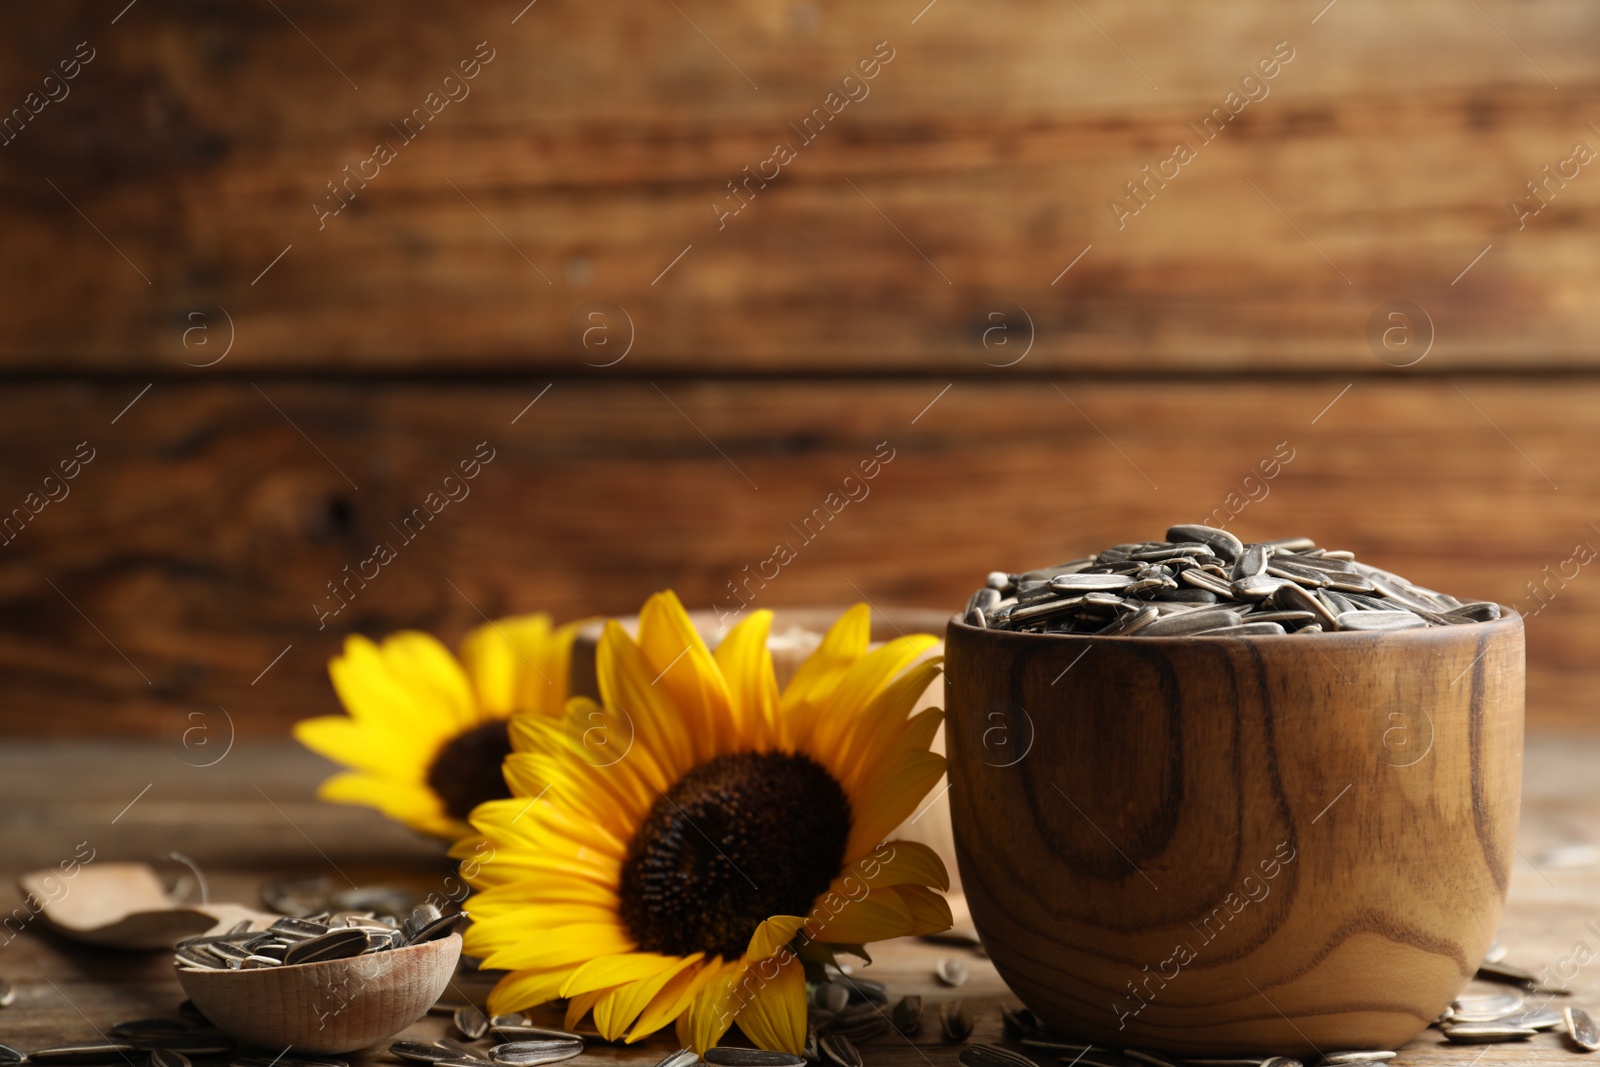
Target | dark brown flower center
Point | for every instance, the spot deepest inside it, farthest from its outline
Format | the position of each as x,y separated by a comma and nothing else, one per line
733,842
466,772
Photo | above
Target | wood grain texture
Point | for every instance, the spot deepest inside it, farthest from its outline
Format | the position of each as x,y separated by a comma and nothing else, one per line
1237,845
594,148
200,541
219,819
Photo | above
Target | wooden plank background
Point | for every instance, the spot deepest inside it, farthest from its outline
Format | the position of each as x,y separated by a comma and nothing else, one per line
309,383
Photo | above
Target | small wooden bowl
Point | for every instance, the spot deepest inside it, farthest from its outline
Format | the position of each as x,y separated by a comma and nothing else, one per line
1236,846
332,1006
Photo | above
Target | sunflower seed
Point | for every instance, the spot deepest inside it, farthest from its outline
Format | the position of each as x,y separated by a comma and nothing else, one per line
684,1057
534,1053
860,1022
297,929
1485,1007
333,945
166,1057
88,1052
1252,1062
955,1020
1090,583
472,1023
528,1031
729,1056
906,1015
147,1027
190,1043
1581,1028
951,971
864,990
1294,598
8,995
1485,1033
1534,1019
1358,1056
420,1052
1051,1044
832,996
436,929
1148,1057
1221,542
1280,1061
461,1061
979,1054
811,1048
1380,620
1243,629
1104,1057
1507,972
1019,1022
196,957
9,1055
460,1050
839,1051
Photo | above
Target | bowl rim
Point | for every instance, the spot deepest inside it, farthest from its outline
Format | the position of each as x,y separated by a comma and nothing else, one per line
285,968
1509,620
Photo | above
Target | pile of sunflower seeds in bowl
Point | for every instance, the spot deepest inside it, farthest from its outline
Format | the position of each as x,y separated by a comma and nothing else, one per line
325,936
1203,582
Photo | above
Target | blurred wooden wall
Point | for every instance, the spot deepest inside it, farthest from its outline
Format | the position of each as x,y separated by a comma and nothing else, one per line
938,276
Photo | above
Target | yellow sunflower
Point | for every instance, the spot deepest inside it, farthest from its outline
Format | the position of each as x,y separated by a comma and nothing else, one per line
727,834
426,734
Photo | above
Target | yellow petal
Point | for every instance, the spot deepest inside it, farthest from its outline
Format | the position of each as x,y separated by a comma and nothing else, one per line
873,917
605,972
674,998
711,1012
845,642
618,1009
892,802
379,751
413,805
521,990
900,863
504,659
930,912
746,664
773,934
516,946
774,1016
579,1006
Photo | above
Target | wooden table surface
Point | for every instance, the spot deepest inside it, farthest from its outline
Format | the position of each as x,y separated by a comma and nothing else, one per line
251,818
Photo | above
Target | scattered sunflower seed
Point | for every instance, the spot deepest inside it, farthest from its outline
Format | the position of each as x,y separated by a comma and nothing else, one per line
528,1031
8,995
728,1056
839,1051
1280,1061
534,1053
10,1055
955,1020
1357,1056
863,990
1509,973
1485,1033
166,1057
1019,1022
1150,1058
1534,1019
906,1015
190,1043
1149,588
88,1052
1485,1008
832,996
951,971
1581,1028
1051,1044
1224,1063
684,1057
420,1051
472,1023
812,1049
978,1054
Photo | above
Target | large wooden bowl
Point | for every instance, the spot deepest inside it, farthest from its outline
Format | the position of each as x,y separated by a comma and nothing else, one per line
1236,846
332,1006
